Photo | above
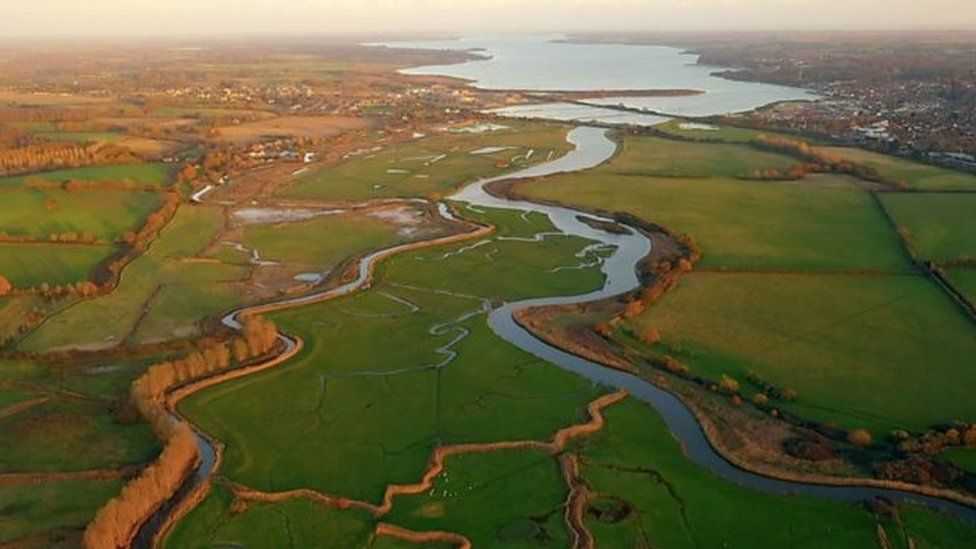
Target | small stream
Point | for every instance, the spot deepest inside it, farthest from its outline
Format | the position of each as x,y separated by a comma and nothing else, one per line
592,147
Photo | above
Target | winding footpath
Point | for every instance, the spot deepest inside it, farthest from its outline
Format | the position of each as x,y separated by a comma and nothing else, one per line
593,147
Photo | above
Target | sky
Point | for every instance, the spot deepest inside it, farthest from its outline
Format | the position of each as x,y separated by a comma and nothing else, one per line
52,18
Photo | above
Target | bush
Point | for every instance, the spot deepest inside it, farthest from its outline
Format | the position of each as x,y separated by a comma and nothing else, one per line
859,437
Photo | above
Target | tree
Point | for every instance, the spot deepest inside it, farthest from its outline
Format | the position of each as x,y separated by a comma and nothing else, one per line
650,336
5,286
859,437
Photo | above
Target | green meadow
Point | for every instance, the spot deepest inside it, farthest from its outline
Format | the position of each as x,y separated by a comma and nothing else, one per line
59,508
745,224
659,157
104,214
634,464
113,318
964,280
916,175
942,225
880,352
142,174
693,130
30,265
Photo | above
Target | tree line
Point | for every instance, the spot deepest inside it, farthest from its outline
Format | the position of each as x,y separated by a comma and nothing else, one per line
117,521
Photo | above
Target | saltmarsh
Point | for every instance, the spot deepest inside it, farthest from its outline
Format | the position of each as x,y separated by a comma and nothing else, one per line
432,165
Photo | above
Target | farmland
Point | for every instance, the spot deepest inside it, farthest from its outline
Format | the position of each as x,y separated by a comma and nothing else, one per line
139,174
941,226
29,265
103,214
785,319
917,176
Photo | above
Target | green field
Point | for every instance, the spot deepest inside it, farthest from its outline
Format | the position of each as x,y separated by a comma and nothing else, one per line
712,132
964,280
510,499
111,319
294,523
745,225
417,168
29,265
676,504
143,174
881,352
103,214
79,137
654,156
943,226
916,175
47,512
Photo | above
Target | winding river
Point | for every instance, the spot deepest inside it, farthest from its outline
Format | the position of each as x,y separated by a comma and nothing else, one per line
592,147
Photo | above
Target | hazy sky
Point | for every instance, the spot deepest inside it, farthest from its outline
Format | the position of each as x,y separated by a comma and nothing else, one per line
41,18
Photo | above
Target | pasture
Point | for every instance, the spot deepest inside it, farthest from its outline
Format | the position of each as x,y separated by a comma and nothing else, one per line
693,130
45,513
634,463
942,225
655,156
918,176
879,352
965,281
103,214
149,174
431,165
30,265
744,225
112,319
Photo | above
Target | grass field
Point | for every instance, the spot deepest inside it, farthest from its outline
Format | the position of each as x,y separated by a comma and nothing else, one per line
417,168
730,134
293,523
676,504
143,174
739,224
943,226
916,175
654,156
110,319
881,352
52,510
103,214
79,137
964,280
501,499
29,265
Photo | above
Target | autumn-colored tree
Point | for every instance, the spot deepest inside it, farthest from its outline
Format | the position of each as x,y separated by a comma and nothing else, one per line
729,385
760,399
634,308
650,336
5,286
859,437
603,329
